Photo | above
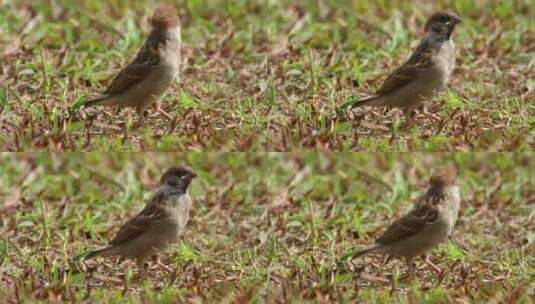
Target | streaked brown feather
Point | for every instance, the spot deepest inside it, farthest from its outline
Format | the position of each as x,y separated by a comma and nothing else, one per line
424,214
130,76
409,71
141,223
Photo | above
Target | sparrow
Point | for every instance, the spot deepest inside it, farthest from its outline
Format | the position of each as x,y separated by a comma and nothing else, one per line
426,72
145,80
428,224
158,225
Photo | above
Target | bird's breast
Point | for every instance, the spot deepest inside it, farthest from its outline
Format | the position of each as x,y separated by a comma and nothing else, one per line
159,80
444,61
179,207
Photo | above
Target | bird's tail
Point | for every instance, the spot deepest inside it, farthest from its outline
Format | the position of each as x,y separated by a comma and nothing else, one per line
370,101
102,100
362,252
358,253
104,252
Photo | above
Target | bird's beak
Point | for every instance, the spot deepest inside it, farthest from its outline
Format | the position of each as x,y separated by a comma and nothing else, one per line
192,175
454,21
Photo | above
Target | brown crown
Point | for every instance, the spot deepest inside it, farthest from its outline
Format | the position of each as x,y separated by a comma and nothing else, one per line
442,17
444,176
165,16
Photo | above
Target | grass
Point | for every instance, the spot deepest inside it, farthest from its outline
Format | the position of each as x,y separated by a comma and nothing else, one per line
266,227
264,75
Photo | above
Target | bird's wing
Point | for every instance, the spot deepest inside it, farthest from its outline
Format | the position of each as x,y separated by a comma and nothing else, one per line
128,77
416,220
146,60
408,72
132,229
142,222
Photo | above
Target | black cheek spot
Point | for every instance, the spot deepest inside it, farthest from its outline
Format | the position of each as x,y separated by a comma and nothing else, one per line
439,29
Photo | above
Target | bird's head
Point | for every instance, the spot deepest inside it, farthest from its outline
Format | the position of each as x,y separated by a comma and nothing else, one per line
165,38
178,178
442,24
445,176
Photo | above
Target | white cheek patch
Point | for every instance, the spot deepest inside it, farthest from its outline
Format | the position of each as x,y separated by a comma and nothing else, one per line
175,32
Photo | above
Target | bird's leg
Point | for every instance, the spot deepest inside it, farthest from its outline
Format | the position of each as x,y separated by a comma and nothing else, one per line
156,260
431,264
423,109
143,266
411,267
409,115
142,115
117,110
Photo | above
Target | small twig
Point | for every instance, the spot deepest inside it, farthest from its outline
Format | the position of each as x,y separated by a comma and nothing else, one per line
173,125
125,285
102,177
311,219
44,209
98,22
124,139
161,111
43,66
346,257
312,83
373,26
177,276
445,121
442,274
374,179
